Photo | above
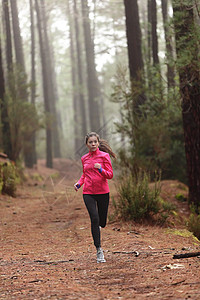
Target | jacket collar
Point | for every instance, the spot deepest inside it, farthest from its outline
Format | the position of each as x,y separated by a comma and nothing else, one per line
93,153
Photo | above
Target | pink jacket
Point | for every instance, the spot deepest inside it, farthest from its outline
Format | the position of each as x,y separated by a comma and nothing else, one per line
94,180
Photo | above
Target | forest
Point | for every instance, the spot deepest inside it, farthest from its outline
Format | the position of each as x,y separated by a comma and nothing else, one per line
128,70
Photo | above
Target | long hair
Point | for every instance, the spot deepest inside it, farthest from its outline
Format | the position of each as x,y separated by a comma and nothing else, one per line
103,144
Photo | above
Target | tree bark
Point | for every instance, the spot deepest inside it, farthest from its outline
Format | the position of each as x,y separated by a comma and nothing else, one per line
49,155
51,85
154,33
33,154
149,42
76,107
5,131
187,48
21,64
17,35
169,48
9,56
83,125
133,33
186,255
94,93
154,73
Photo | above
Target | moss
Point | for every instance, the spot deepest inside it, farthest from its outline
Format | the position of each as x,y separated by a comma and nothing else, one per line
37,177
182,232
175,213
180,197
194,224
54,176
8,178
1,184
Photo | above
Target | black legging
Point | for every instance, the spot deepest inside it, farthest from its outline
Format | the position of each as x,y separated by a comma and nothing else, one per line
97,206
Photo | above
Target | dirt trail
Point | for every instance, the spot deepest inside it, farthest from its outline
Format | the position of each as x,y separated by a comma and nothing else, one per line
47,250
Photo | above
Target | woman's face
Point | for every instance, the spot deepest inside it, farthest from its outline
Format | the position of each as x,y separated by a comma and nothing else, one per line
92,143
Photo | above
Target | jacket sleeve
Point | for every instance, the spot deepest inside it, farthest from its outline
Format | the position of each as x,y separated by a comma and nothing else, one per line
82,179
107,170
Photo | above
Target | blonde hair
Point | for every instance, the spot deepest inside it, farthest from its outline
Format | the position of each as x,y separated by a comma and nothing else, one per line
103,144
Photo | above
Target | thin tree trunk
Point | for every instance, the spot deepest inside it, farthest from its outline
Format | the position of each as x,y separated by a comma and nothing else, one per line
6,135
49,156
83,123
149,46
169,48
21,64
76,107
9,56
155,85
6,131
33,80
190,90
51,85
17,35
94,93
133,33
154,33
133,39
149,42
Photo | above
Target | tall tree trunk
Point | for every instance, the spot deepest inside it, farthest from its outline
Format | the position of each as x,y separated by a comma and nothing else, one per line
94,93
17,35
155,85
187,47
21,64
9,56
169,48
154,33
51,85
149,46
76,107
33,154
6,135
83,121
149,42
49,156
133,33
6,131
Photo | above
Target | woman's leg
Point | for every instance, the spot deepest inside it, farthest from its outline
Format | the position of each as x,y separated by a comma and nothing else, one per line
91,205
102,204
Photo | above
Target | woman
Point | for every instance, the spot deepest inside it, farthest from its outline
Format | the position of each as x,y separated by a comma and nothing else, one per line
97,168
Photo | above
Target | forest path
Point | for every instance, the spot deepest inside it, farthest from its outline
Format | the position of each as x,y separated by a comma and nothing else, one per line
47,250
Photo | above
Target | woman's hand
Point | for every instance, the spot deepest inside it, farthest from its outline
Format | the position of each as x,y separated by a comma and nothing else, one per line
76,186
97,166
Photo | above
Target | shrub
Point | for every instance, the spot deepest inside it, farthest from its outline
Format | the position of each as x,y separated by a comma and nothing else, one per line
138,202
180,197
23,117
153,130
194,222
8,179
194,225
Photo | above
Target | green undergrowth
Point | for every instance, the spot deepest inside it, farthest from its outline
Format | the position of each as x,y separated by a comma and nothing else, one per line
8,178
194,221
139,202
183,233
180,197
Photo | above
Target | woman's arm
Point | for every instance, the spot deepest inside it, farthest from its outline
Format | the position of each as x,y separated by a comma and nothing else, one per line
107,170
80,182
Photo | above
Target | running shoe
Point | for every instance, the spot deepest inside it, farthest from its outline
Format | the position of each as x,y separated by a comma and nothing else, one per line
100,256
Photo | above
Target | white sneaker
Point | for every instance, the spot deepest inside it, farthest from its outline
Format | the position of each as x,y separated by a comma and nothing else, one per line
100,256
